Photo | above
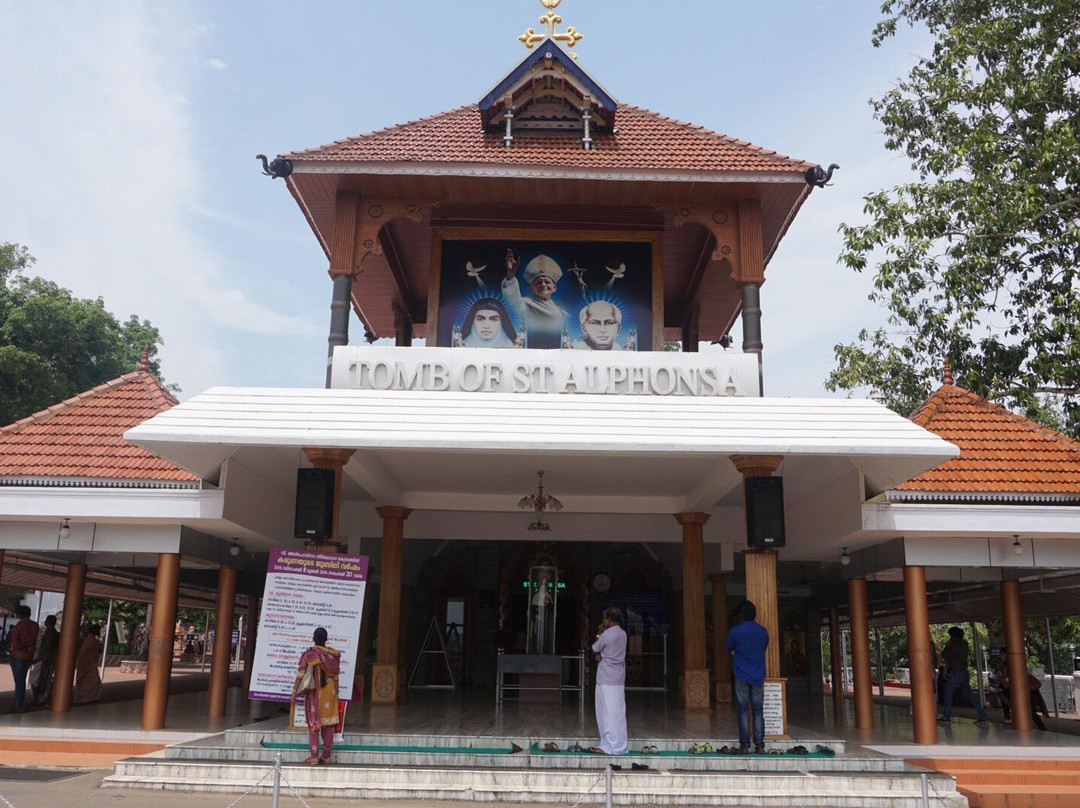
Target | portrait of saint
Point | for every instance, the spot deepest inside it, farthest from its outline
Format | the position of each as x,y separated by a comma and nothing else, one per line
487,325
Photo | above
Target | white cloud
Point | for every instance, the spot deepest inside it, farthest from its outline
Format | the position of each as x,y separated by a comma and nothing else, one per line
215,64
100,176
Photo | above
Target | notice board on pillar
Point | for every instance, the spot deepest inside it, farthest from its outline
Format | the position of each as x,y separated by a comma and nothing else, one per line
306,590
775,708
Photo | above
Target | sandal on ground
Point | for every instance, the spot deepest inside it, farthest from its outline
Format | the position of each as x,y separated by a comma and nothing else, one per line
653,750
774,751
707,748
798,750
696,749
312,761
639,767
728,750
595,750
743,750
759,750
575,747
551,746
324,761
826,750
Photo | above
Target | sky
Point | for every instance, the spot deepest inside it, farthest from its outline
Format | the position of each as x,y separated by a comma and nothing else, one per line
129,130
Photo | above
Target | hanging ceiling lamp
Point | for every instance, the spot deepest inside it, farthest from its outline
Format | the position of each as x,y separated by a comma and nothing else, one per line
538,503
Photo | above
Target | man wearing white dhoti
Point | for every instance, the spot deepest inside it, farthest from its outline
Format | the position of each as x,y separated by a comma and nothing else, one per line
610,651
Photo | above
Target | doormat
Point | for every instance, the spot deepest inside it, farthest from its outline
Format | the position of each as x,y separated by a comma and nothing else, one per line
28,775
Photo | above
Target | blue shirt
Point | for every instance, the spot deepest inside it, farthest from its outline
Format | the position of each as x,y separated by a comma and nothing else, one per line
748,641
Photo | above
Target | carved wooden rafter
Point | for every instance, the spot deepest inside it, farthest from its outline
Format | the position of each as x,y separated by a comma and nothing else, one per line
721,220
374,215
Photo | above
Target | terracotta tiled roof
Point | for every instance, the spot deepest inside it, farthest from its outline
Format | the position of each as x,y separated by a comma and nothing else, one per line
1000,452
82,437
645,141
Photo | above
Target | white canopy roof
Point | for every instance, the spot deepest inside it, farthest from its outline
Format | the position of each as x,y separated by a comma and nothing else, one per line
410,441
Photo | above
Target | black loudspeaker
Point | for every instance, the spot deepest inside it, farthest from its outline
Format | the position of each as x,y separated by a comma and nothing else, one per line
314,504
765,511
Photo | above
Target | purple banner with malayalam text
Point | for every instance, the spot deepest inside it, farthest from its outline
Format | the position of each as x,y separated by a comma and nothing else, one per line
306,590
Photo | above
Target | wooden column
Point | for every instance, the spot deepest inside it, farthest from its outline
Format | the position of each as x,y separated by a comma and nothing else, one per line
836,662
923,708
385,678
761,568
1016,656
859,612
403,327
219,664
722,659
1,566
342,270
334,460
695,673
162,638
68,647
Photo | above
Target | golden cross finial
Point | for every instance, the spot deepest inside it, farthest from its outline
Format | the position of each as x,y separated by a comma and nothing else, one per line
550,19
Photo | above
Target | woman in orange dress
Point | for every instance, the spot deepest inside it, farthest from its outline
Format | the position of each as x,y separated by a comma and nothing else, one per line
321,700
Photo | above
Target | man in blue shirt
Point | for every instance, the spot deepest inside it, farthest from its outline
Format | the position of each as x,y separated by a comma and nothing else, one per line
747,642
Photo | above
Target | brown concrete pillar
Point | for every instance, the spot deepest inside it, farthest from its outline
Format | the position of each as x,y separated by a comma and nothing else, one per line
219,664
385,678
923,708
836,664
859,612
162,639
722,659
68,647
1016,656
333,460
761,591
695,673
761,568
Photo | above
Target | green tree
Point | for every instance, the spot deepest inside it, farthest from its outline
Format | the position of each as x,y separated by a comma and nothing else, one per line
54,345
978,258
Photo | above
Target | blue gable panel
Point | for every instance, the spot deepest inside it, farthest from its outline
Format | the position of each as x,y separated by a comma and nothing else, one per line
539,52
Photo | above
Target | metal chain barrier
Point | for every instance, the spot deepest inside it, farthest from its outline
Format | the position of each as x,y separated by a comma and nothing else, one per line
596,782
3,799
292,788
251,789
937,794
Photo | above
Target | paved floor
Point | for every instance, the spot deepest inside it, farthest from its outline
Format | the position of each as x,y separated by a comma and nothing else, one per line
84,791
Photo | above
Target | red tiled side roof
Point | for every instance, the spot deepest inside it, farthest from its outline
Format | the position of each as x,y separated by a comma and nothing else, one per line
645,140
1000,451
82,437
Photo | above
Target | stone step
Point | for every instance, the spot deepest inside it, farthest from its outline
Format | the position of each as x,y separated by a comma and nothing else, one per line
273,735
251,753
673,787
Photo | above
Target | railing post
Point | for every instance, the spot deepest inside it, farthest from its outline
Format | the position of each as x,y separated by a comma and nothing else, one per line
277,779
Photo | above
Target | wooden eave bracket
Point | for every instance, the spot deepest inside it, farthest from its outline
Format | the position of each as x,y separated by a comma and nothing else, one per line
720,220
374,215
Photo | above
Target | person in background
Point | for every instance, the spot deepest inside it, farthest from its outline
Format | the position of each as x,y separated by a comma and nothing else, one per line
23,644
41,674
747,641
321,697
87,678
954,656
